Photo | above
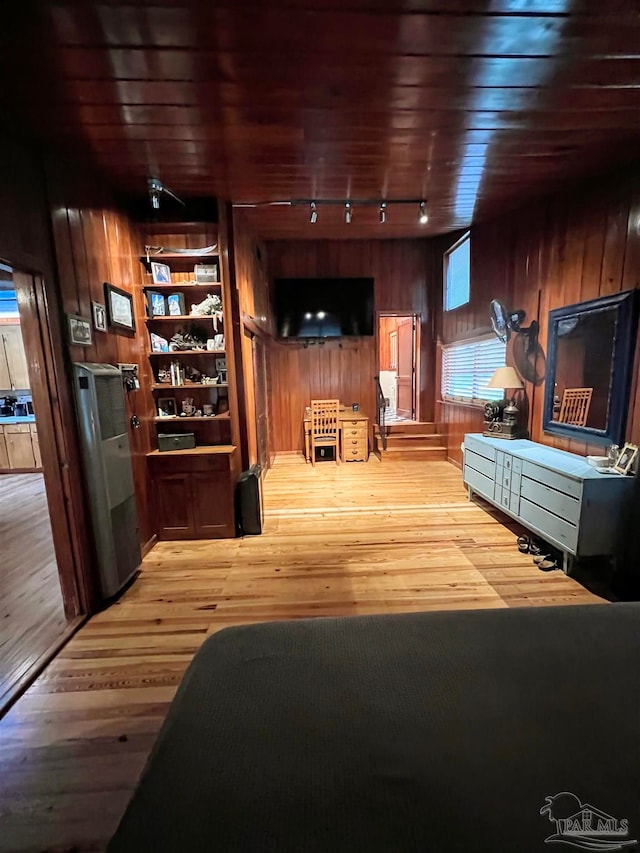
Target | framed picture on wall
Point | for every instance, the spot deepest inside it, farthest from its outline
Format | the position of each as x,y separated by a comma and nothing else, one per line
79,330
99,316
119,308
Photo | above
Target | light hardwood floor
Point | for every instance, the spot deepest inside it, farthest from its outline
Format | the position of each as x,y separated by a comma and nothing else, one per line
353,539
31,611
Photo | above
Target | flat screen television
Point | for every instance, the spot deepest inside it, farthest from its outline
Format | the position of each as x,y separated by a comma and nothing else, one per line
323,307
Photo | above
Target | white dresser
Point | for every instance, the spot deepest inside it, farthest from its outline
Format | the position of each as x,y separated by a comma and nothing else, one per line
555,494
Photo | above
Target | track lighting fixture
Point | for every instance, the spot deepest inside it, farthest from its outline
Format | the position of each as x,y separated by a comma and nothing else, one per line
156,188
423,218
314,213
383,212
313,205
347,213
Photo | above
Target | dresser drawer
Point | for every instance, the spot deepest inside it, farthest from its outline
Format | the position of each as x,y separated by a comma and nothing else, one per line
357,424
497,492
354,444
505,499
478,482
550,478
354,432
354,454
514,502
480,463
16,428
549,526
559,504
479,447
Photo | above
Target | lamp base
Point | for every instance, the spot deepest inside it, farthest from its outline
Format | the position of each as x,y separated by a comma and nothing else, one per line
500,429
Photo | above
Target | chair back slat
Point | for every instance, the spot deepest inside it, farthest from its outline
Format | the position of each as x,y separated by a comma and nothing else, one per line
576,403
324,418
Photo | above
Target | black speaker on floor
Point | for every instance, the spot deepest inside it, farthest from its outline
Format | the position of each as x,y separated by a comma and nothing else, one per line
248,503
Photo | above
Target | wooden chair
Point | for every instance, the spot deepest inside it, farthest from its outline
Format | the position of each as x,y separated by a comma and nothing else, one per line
324,426
575,406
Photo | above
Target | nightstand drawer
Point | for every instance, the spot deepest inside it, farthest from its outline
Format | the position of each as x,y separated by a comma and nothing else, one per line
354,454
361,423
354,432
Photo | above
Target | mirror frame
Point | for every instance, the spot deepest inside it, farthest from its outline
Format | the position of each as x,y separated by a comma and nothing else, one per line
623,355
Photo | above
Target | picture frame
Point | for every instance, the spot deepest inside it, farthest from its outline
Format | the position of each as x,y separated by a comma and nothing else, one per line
167,407
79,330
176,305
156,304
627,458
119,308
161,273
99,312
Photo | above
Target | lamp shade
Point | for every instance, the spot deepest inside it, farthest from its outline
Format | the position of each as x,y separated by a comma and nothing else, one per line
505,377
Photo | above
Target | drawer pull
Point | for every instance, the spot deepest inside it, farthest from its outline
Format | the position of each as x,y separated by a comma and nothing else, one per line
508,463
506,481
355,441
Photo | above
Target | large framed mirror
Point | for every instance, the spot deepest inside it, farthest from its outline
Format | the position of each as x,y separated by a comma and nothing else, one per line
590,352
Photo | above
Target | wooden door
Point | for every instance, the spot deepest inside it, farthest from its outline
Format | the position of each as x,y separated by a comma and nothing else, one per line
4,456
13,347
19,450
35,444
213,510
174,509
405,382
261,401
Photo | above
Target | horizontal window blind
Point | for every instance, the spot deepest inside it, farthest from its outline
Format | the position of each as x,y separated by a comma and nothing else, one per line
467,367
457,275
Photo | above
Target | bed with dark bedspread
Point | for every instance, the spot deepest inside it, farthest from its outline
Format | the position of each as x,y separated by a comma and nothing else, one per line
423,732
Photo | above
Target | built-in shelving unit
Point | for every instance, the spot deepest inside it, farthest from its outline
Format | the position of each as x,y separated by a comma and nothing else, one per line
206,397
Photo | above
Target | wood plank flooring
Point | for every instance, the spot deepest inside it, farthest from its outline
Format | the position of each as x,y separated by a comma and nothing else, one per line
358,538
31,610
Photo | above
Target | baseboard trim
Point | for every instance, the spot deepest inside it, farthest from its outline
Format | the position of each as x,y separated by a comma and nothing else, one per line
454,462
151,543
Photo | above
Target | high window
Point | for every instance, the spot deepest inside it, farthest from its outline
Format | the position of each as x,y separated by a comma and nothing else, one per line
457,274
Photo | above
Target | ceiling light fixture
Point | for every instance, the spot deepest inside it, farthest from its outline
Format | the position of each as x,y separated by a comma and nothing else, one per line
314,213
423,218
383,212
347,212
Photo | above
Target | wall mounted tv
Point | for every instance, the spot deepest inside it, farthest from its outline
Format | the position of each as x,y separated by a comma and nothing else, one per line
324,307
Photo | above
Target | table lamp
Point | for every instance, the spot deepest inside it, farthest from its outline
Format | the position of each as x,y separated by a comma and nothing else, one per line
506,377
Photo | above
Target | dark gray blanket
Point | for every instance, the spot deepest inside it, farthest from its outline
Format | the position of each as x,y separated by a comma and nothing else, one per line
423,732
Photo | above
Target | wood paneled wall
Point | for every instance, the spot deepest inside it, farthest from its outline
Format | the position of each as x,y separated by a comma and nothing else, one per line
94,244
403,271
558,251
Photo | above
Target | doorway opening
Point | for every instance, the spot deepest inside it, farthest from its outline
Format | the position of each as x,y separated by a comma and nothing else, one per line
398,348
32,611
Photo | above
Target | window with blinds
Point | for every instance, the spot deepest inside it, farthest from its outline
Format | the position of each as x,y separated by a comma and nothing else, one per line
457,274
467,368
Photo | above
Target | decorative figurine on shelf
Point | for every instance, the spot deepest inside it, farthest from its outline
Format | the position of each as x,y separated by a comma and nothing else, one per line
188,409
187,339
164,376
209,306
192,375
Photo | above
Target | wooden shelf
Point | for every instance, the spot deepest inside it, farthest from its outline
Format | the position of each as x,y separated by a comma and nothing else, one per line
189,352
183,284
203,419
206,450
179,318
197,386
178,261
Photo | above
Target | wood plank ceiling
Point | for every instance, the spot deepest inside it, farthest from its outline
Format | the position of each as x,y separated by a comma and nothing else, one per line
474,105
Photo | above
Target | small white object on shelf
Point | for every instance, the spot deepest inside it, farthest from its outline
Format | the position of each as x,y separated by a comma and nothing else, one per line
598,461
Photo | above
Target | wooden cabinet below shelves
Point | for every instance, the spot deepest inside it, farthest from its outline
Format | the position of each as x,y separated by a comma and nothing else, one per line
19,448
194,492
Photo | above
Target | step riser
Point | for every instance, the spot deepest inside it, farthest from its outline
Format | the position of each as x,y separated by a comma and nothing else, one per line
414,441
410,428
432,454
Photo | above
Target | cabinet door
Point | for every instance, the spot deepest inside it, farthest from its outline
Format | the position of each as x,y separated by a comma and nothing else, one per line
4,456
213,511
35,444
5,378
19,450
172,498
16,356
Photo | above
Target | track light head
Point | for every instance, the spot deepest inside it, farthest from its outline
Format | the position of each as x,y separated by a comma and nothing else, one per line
347,213
314,213
423,218
156,188
383,212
